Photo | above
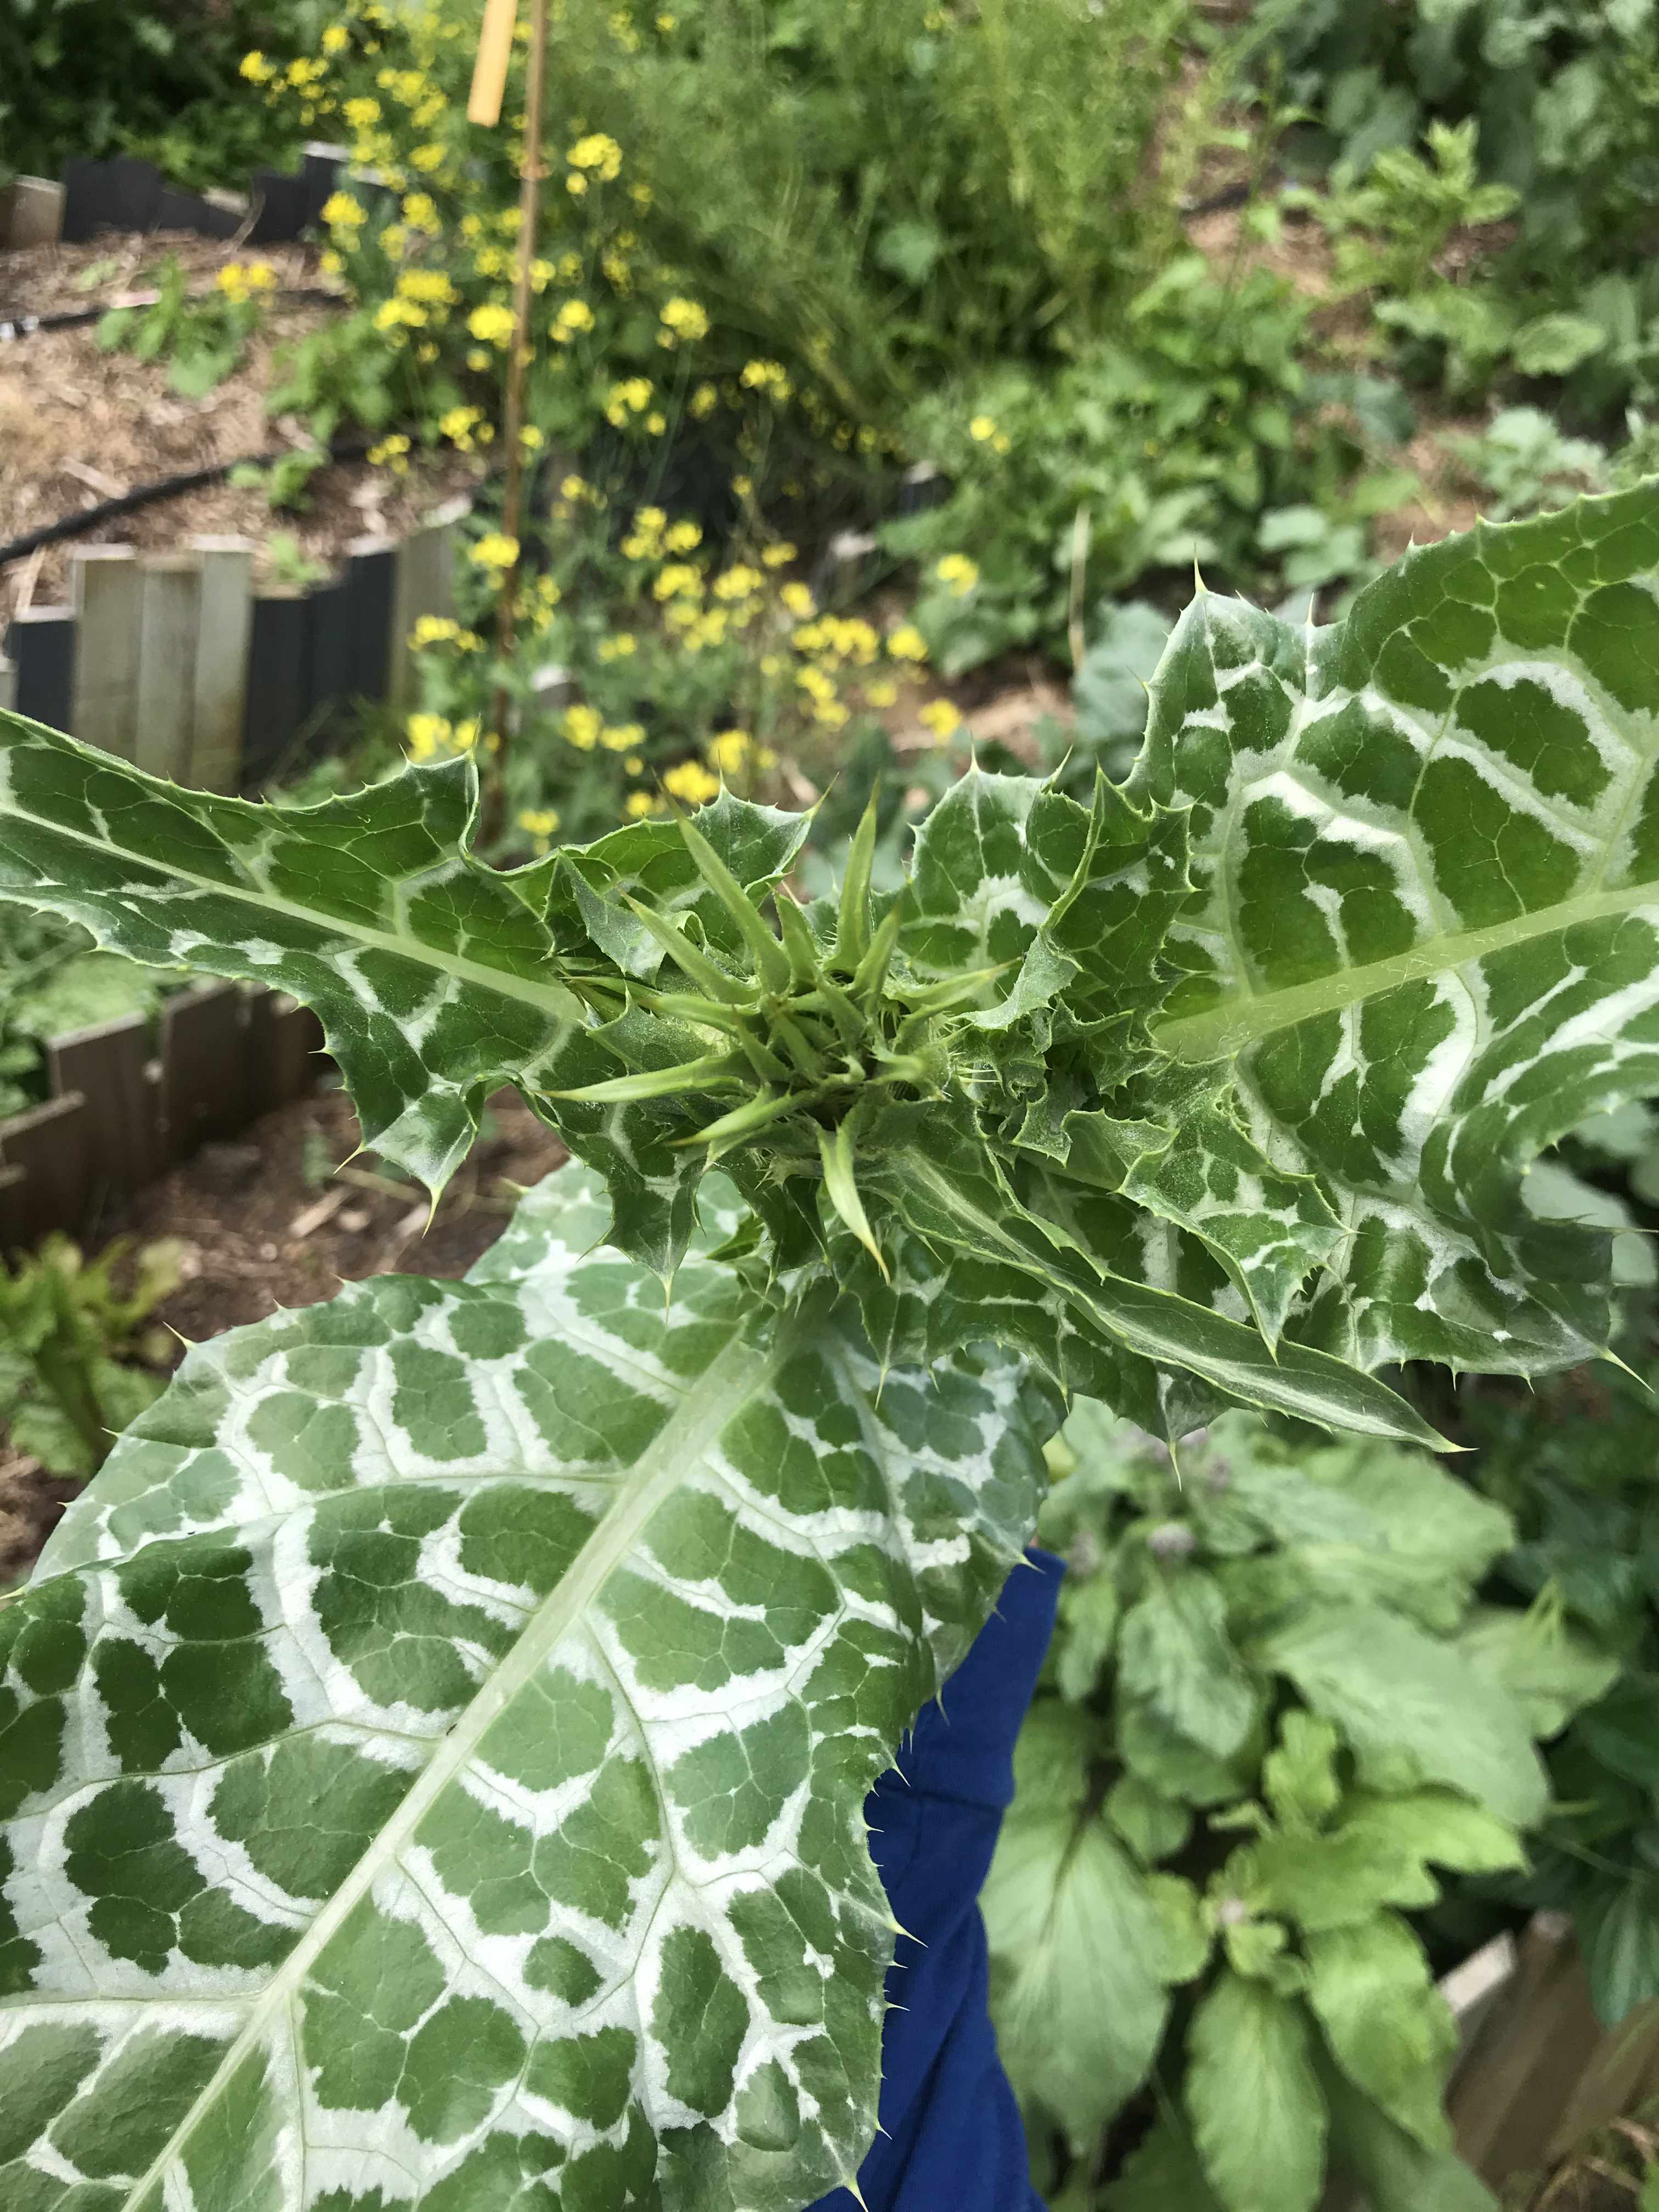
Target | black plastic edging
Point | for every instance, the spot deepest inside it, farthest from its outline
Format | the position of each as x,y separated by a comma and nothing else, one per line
111,510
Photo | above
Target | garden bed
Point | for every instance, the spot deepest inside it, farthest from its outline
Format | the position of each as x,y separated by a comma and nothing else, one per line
79,424
263,1222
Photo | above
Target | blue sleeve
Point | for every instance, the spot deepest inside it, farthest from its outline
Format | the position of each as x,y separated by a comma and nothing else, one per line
953,2139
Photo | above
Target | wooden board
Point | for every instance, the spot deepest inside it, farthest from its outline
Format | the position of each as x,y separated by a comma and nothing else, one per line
104,697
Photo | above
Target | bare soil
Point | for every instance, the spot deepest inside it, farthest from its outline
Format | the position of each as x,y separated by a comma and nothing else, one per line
266,1222
78,425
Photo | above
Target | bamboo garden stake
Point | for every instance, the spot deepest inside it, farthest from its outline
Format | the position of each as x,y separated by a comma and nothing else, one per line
484,106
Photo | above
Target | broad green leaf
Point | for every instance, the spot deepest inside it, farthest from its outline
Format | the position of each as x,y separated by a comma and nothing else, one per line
1257,2115
1175,1658
1551,1672
1163,2174
1390,2031
1412,1711
1069,1917
1423,939
1376,1854
1299,1777
1396,2173
1619,1929
1154,1827
432,1753
1089,1611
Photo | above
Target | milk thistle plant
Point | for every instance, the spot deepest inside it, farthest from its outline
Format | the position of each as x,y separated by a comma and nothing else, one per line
433,1747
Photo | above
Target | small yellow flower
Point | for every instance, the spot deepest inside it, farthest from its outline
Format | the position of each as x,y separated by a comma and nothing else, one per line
623,738
477,357
675,578
256,68
799,600
737,583
597,152
881,693
336,38
684,537
541,822
685,318
342,212
420,212
961,573
492,322
581,726
362,114
638,805
691,781
429,286
703,402
1002,443
575,315
981,427
530,438
427,158
434,629
620,647
778,556
906,643
656,424
426,733
573,487
941,718
634,764
665,23
495,551
458,426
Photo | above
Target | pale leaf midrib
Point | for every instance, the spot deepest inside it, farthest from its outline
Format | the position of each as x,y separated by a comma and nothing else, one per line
550,997
735,1374
1239,1021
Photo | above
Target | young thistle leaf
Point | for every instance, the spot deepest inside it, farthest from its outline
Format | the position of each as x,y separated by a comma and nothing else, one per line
852,920
841,1184
772,963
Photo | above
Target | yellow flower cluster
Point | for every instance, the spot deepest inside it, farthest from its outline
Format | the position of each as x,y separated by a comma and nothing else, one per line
434,737
541,822
443,629
393,451
493,323
983,430
465,427
767,376
341,213
735,753
631,397
691,781
496,552
575,315
906,643
240,280
961,573
596,154
585,727
682,318
941,718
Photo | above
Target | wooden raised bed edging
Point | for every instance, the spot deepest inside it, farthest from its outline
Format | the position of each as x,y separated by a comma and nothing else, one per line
175,661
118,1114
1536,2072
129,194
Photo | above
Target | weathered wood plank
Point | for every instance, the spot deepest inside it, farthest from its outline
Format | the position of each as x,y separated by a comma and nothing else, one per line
111,1066
37,212
224,630
104,699
283,1040
424,584
203,1074
169,617
50,1150
41,644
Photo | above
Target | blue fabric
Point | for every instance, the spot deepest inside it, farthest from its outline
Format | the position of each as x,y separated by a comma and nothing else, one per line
952,2139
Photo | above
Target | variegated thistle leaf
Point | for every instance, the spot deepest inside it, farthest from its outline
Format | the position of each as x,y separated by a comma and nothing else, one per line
433,1752
1425,937
645,1006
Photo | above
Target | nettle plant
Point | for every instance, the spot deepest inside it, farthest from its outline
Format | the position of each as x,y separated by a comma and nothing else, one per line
434,1747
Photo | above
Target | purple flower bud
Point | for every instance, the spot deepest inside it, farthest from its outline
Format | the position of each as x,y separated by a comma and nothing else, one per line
1172,1539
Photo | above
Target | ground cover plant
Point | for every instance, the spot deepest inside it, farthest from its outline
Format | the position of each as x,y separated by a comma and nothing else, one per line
591,1614
1274,1720
71,1339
